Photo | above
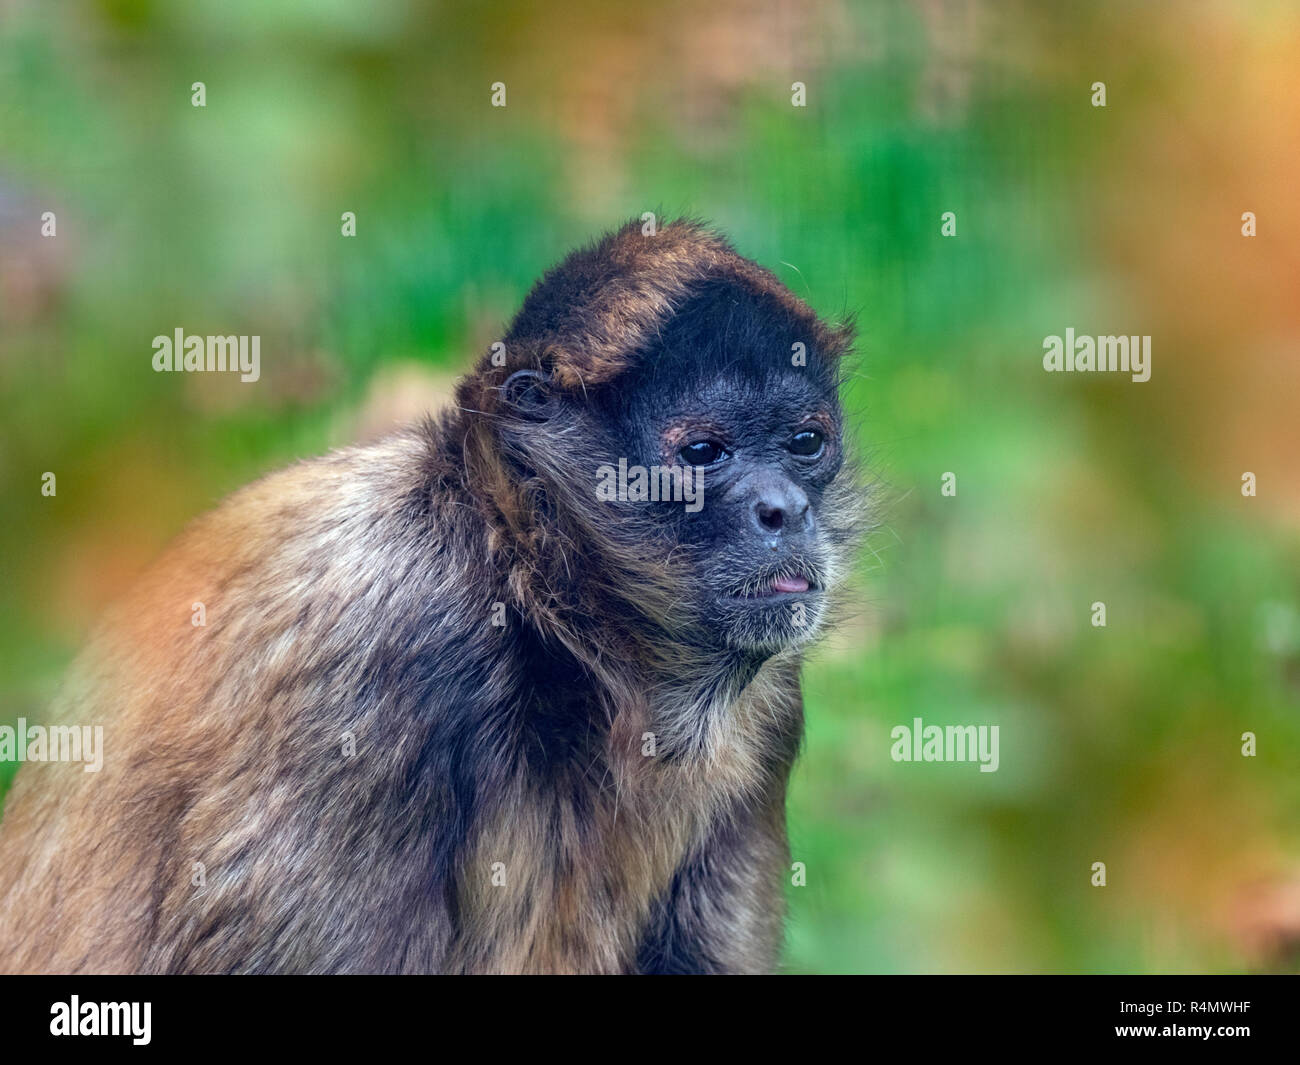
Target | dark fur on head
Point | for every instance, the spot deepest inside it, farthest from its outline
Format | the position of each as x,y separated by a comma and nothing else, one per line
595,785
591,328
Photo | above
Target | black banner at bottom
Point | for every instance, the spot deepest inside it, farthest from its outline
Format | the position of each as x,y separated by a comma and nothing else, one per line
1171,1015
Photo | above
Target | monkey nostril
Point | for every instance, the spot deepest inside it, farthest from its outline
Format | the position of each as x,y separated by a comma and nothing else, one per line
772,518
777,506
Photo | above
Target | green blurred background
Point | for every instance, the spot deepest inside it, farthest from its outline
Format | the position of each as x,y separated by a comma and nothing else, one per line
1120,744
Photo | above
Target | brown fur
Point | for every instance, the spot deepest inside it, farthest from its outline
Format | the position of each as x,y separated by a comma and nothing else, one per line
350,594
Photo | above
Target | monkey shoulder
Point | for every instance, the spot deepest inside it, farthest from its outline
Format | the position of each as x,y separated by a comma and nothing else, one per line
339,573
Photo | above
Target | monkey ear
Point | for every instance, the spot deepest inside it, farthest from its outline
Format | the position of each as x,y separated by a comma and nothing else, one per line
528,392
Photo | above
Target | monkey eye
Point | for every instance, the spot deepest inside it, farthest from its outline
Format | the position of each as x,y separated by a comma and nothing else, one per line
807,443
702,453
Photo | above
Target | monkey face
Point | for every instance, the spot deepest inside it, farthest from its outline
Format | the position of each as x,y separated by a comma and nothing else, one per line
699,397
757,535
761,557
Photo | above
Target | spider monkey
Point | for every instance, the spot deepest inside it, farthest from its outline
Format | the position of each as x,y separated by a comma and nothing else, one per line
452,710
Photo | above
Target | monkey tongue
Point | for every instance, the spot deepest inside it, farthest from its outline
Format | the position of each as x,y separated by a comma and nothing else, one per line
790,584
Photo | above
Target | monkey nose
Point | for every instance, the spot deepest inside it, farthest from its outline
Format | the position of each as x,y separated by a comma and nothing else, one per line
782,510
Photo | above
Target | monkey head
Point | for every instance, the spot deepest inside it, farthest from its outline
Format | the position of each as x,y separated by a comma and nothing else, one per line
736,392
669,419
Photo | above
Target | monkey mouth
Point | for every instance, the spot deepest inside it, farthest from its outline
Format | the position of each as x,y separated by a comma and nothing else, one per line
780,586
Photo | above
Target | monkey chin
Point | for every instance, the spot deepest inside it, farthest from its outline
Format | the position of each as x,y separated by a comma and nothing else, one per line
768,624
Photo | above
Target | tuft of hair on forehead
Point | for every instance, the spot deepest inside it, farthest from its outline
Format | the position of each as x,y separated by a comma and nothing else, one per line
586,321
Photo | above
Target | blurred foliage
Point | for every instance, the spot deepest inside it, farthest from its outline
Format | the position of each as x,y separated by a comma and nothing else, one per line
1119,744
